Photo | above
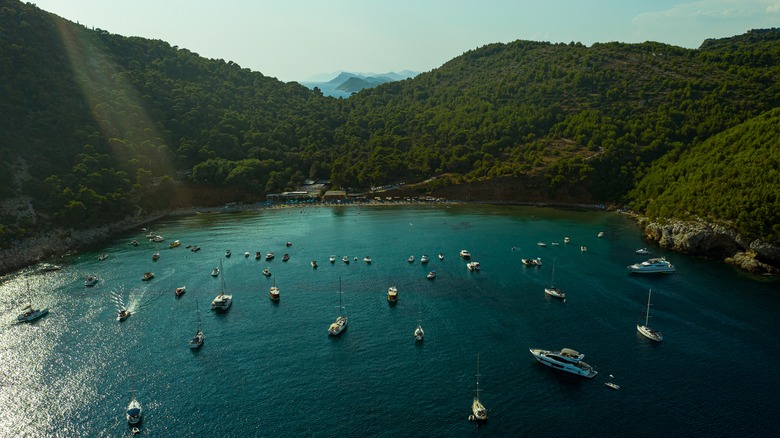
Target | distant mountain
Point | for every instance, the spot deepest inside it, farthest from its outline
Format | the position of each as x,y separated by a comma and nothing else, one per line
346,83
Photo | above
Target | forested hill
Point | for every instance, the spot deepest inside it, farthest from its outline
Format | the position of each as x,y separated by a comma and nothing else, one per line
94,125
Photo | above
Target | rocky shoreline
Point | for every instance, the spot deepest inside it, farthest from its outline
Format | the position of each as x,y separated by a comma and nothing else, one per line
704,239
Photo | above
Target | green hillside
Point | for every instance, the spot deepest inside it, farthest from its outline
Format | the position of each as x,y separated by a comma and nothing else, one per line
734,177
94,126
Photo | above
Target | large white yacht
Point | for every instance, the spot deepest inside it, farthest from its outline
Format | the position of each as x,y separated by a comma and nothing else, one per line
565,360
652,266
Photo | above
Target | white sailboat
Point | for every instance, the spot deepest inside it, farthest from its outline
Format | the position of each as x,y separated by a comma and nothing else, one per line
134,411
222,301
197,340
645,329
478,410
29,313
340,324
419,334
551,289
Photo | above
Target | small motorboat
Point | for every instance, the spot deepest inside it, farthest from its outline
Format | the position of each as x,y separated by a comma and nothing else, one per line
566,240
155,256
195,248
288,244
473,266
367,259
174,244
532,262
246,254
345,259
134,242
332,259
465,254
424,258
643,251
419,334
542,244
91,281
227,253
584,248
267,272
314,263
180,291
601,234
270,256
215,272
285,257
441,256
122,314
147,276
102,257
410,259
612,385
431,275
258,255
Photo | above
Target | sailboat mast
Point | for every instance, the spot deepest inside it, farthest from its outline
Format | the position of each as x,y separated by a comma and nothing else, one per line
222,277
477,376
647,316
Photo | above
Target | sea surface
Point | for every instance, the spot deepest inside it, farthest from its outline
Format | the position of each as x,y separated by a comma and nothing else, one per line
270,369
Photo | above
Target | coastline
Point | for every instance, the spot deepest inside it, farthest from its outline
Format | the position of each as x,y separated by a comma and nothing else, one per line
693,238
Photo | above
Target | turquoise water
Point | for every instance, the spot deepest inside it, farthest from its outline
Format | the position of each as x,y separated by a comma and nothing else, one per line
271,369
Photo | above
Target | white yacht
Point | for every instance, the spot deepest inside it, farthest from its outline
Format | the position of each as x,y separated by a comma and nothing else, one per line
222,301
601,234
473,266
392,294
652,266
431,275
134,411
645,329
367,259
122,314
345,259
338,326
410,259
441,256
419,334
566,239
542,244
643,251
465,254
565,360
424,258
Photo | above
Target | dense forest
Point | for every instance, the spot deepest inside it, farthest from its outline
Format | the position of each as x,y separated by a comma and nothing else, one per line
95,126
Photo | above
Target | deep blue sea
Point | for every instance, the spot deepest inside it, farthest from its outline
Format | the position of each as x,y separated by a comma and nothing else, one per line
270,369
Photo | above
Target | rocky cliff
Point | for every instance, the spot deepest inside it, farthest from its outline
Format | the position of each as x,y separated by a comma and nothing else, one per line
714,241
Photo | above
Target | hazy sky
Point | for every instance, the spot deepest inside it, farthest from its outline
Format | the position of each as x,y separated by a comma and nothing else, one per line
294,40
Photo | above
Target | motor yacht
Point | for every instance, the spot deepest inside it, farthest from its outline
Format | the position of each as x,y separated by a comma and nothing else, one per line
532,262
424,258
652,266
643,251
465,254
566,359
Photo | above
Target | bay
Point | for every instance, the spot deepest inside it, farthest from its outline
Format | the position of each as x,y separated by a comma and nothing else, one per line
271,369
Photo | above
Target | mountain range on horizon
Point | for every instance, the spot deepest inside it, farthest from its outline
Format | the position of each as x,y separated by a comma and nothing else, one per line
345,83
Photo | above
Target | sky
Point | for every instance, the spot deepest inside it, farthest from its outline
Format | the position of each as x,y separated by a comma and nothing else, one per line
305,40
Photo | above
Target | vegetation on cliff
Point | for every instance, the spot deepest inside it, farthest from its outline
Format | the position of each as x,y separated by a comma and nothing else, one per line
104,124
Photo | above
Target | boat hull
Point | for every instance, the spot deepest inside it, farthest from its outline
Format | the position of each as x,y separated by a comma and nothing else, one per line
649,333
580,368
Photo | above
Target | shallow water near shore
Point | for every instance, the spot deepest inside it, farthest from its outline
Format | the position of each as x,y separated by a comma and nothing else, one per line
270,369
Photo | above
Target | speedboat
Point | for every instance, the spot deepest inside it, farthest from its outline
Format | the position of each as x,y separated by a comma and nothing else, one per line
90,281
532,262
122,314
195,248
601,234
102,257
134,411
392,294
542,244
267,272
612,385
180,291
228,253
431,275
643,251
419,334
155,256
566,359
246,254
215,272
566,240
465,254
269,256
584,248
288,244
147,276
258,255
473,266
332,258
48,267
158,239
652,266
441,256
367,259
134,242
410,259
314,263
424,258
174,244
285,257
